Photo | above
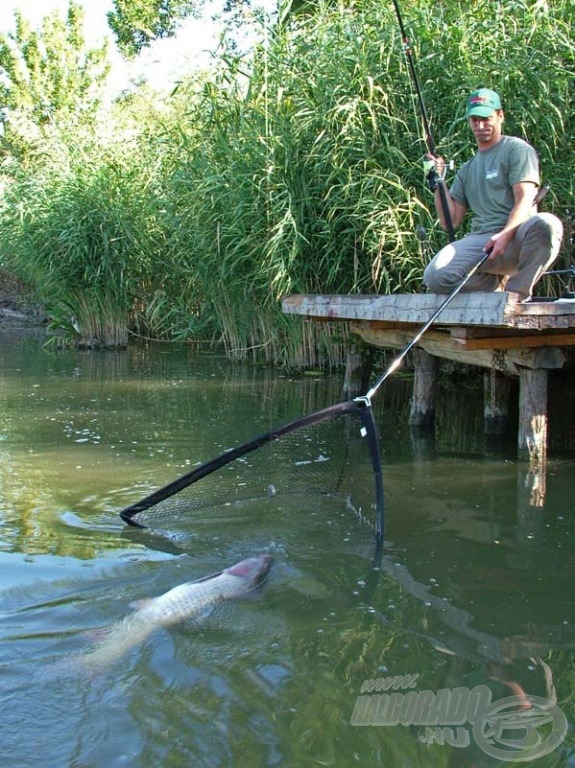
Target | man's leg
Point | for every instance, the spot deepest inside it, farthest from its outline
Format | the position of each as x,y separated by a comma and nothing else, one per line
453,263
533,249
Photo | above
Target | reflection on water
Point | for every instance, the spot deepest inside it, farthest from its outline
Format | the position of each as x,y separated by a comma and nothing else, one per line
474,586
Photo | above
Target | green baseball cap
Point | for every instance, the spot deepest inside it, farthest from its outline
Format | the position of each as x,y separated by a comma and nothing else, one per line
483,103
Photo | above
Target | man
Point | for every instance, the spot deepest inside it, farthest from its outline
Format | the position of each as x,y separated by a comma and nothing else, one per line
498,185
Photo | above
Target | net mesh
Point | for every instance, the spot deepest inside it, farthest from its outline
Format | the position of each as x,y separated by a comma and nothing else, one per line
333,452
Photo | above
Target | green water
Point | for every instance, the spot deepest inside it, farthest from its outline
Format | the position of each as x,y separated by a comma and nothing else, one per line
473,588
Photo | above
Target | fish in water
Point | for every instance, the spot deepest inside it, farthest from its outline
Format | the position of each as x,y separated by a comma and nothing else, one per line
190,600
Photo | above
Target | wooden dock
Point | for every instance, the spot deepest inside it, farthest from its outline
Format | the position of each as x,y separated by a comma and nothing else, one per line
483,329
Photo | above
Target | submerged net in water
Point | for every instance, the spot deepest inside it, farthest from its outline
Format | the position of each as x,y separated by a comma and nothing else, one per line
333,452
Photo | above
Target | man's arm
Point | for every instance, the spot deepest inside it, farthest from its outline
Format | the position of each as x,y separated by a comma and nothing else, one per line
457,210
524,195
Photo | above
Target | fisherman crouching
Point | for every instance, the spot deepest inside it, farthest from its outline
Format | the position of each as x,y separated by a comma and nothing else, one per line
498,185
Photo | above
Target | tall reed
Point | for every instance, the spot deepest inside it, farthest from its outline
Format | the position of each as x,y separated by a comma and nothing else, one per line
294,169
82,229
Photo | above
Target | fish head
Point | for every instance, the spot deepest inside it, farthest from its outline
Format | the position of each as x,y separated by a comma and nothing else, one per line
253,569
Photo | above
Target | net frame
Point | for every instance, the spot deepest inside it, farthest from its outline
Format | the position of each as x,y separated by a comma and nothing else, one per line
359,407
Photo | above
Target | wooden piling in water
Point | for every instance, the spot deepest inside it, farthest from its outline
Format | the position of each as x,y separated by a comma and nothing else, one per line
532,433
496,390
422,413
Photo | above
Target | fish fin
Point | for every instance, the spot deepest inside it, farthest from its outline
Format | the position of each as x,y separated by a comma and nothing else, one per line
97,635
137,605
201,617
207,578
300,581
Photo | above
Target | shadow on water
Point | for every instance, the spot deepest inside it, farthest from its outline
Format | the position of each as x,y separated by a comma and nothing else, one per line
472,592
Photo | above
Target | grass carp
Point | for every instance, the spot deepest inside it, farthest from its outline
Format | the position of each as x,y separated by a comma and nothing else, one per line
190,600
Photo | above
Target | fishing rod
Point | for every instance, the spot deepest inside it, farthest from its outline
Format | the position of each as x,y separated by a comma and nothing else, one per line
435,180
424,328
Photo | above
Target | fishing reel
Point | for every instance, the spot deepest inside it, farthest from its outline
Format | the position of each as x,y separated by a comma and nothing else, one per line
432,176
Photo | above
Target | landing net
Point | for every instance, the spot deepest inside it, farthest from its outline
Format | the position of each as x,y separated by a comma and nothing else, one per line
333,452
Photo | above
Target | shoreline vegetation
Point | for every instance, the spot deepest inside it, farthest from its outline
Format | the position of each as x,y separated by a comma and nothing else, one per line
295,168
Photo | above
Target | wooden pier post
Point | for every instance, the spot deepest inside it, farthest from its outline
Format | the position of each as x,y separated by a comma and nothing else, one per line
358,370
532,435
352,377
422,412
496,388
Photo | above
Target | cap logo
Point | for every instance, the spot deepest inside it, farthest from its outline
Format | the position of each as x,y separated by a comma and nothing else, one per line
483,102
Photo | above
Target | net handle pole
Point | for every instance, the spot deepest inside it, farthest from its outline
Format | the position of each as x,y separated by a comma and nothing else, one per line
368,423
426,127
399,359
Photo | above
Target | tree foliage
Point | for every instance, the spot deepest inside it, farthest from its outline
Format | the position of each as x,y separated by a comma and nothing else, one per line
136,23
49,74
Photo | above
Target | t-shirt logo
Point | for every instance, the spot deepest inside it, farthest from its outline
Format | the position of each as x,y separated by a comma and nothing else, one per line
492,174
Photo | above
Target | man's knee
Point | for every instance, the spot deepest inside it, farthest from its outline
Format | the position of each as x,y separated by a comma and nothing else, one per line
443,280
438,276
435,280
545,227
554,224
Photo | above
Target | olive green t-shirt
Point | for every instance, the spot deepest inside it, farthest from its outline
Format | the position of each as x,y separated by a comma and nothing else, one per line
484,184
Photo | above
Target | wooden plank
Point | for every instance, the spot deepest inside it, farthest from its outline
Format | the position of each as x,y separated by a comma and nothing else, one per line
518,342
473,309
547,308
411,308
441,344
473,332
